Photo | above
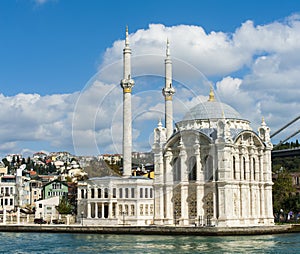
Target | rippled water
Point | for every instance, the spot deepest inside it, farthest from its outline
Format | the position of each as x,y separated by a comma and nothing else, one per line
96,243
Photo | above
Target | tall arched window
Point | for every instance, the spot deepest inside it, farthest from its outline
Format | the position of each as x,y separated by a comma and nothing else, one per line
244,167
234,167
176,170
192,169
209,168
106,193
254,169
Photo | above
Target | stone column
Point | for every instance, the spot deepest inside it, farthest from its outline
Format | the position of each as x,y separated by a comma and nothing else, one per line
169,187
102,210
96,210
262,201
110,210
4,216
89,210
18,215
184,186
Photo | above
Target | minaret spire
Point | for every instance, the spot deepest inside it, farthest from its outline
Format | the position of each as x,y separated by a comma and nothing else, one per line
168,48
127,83
168,92
126,37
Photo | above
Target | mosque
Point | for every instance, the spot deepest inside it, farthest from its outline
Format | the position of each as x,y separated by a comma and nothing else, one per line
211,169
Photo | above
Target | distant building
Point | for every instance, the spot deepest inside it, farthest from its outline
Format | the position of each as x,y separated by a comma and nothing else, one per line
116,201
55,188
46,209
36,187
7,192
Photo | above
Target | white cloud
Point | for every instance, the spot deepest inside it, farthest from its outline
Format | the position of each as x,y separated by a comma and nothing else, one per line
257,69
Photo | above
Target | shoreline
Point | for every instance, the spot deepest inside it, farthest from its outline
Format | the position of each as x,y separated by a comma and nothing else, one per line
153,230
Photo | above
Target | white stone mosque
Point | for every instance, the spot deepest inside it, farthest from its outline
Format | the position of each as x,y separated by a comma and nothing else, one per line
211,169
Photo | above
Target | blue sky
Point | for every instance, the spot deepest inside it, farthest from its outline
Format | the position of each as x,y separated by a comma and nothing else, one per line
50,51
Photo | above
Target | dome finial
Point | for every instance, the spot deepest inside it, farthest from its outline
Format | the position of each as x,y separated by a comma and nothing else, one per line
211,94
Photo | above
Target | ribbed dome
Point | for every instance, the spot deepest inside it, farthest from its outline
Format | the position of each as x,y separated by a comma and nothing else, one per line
211,110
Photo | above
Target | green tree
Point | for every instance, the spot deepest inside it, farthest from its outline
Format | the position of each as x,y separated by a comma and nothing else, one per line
64,206
282,188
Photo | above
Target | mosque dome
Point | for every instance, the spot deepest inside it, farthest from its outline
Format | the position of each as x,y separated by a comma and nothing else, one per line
212,109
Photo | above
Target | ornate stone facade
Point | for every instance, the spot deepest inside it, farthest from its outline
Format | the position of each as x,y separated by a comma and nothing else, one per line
213,170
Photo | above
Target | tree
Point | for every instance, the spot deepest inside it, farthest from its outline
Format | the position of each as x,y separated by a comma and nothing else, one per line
64,206
282,189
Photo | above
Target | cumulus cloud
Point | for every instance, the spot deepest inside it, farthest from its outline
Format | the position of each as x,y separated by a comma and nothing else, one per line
255,69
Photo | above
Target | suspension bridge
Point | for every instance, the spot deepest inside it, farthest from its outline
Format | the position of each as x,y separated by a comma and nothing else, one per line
286,152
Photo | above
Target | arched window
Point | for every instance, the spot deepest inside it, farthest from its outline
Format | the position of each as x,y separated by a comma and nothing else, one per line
254,169
99,193
92,193
233,167
82,194
176,170
192,169
209,168
244,167
106,193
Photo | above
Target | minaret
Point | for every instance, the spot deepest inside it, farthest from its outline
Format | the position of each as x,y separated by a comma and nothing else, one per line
127,83
168,92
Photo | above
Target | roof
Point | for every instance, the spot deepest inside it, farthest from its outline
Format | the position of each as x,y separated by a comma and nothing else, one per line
212,110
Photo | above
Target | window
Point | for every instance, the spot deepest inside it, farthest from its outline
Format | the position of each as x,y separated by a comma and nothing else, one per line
126,192
151,193
35,192
120,208
92,193
126,209
146,209
114,192
132,193
11,202
132,210
151,209
120,193
209,174
141,210
254,169
234,167
56,185
146,192
40,205
176,170
141,192
82,194
99,193
105,193
192,169
244,167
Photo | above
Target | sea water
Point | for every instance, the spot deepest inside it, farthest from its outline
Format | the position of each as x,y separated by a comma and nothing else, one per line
96,243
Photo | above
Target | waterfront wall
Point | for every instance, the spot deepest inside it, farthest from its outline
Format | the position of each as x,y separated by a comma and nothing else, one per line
152,230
